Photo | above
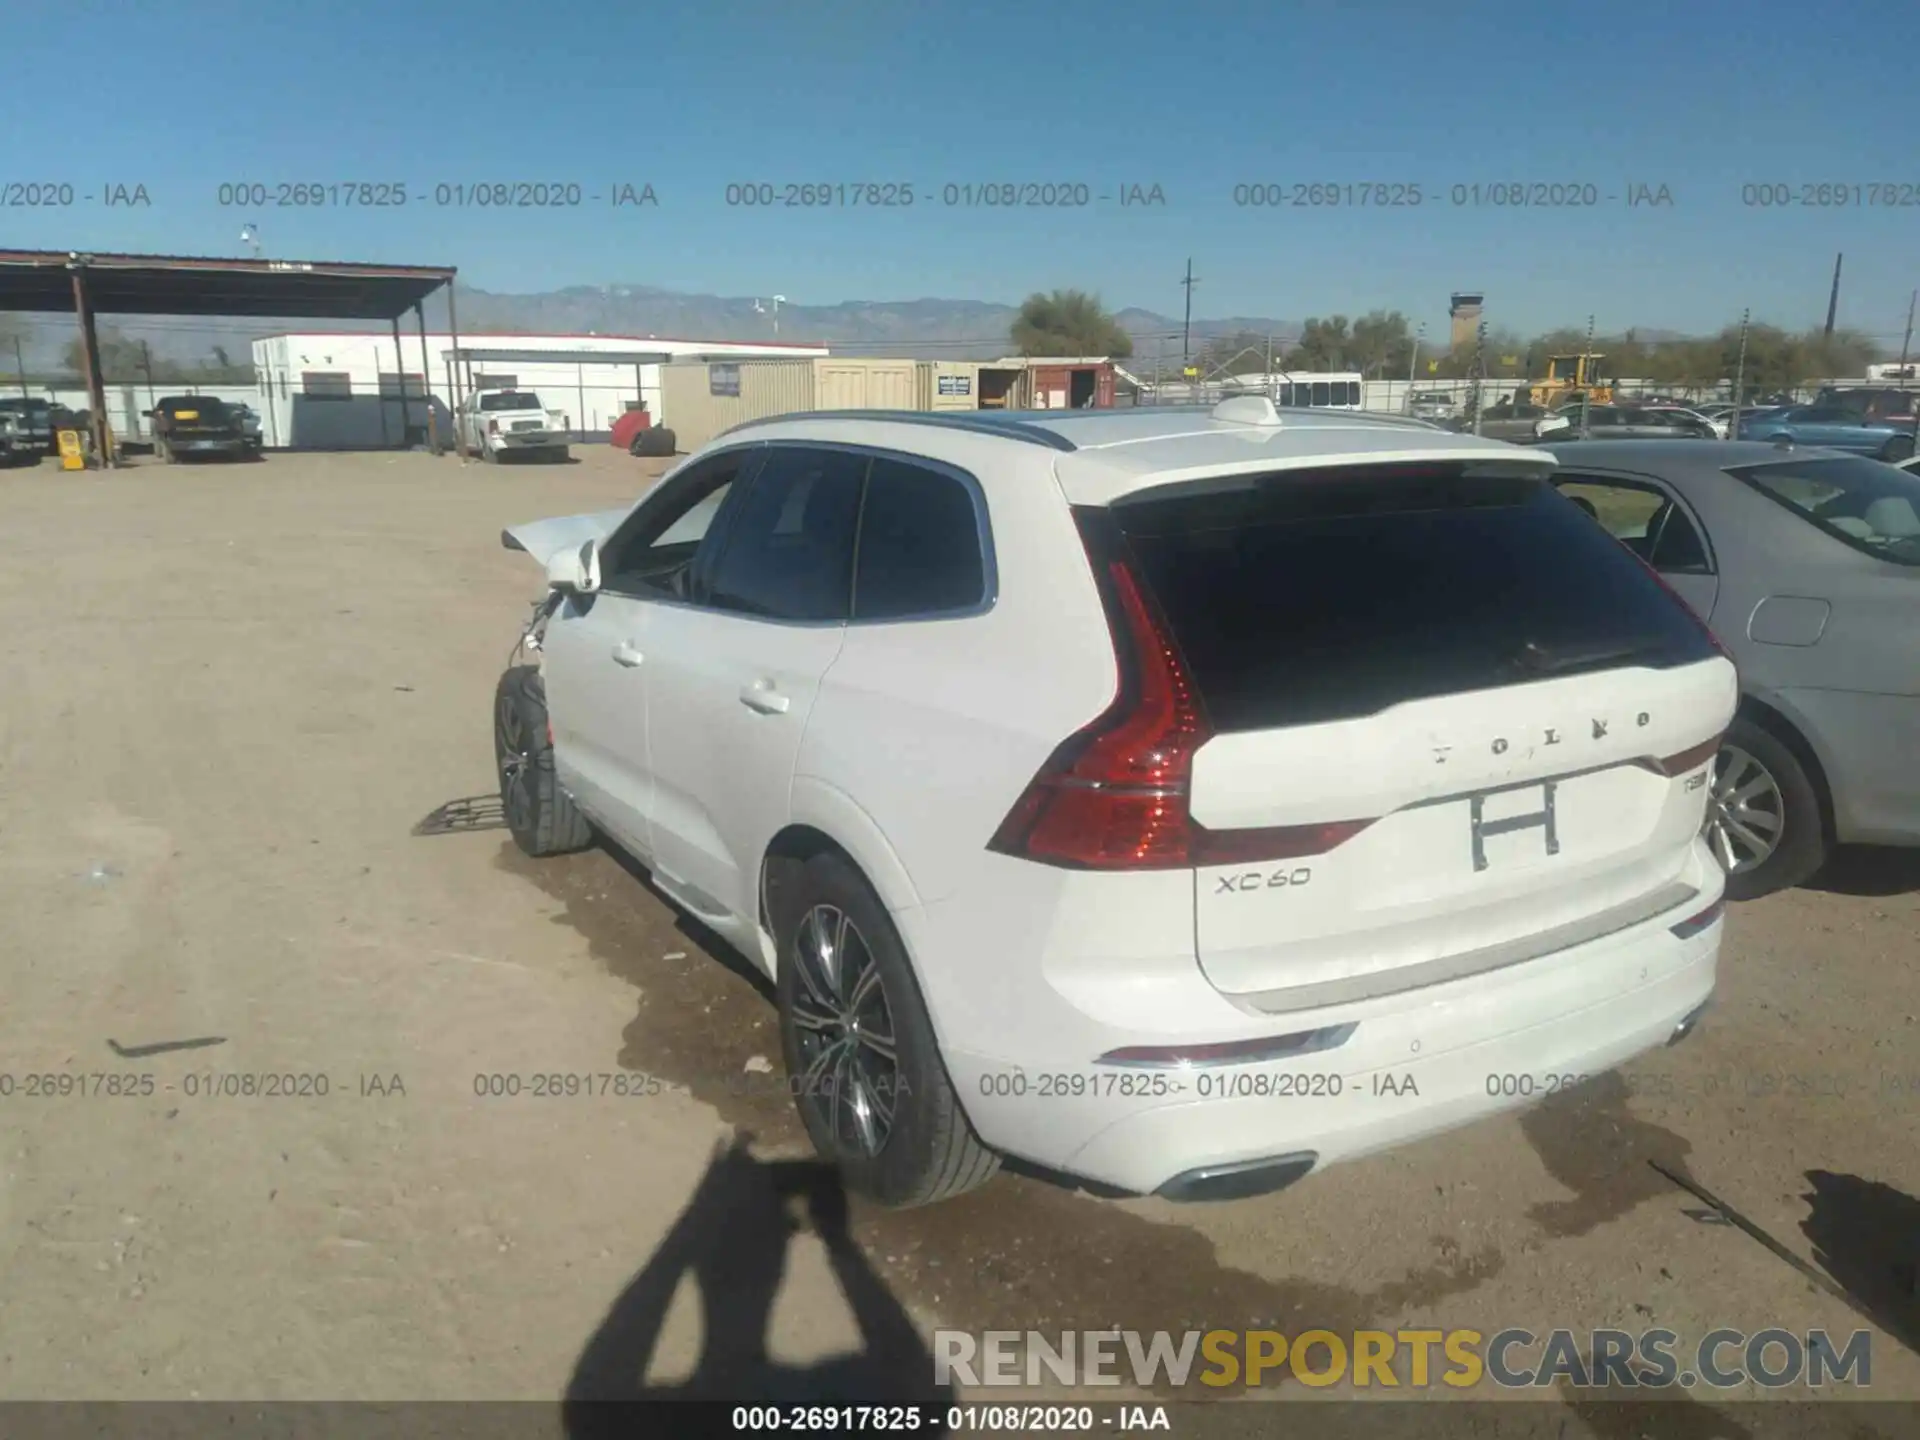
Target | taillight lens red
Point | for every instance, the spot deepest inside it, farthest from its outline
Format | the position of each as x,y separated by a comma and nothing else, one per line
1115,795
1688,760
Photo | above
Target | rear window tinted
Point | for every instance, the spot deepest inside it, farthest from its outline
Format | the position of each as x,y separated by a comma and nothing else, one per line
511,400
1328,595
1871,506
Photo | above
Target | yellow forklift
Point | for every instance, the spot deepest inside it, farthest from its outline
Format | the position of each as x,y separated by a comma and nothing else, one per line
1568,377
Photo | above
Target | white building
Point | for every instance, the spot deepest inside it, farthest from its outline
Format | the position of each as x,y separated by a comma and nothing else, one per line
341,390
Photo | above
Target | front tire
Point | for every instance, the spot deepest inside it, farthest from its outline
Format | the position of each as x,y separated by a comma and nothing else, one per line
1765,823
540,815
860,1051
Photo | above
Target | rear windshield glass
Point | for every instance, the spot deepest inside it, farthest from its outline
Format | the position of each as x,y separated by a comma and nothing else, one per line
1326,595
1871,506
511,400
205,406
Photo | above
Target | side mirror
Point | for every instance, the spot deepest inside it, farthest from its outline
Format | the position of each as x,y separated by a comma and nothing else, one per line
575,572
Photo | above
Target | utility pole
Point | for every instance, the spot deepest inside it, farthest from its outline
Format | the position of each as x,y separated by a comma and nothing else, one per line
1186,328
1413,359
146,364
1479,373
1739,378
1833,296
1908,340
1586,386
20,361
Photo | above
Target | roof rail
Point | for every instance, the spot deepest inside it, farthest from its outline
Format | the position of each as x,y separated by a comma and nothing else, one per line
973,421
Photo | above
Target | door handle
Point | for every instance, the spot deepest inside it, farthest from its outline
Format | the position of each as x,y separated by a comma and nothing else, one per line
625,654
761,696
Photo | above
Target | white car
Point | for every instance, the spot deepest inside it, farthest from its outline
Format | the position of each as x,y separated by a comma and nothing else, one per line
511,422
1178,801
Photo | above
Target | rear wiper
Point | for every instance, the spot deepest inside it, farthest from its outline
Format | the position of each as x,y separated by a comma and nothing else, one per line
1558,659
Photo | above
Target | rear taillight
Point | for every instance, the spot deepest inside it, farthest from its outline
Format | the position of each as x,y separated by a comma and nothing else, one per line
1689,760
1114,796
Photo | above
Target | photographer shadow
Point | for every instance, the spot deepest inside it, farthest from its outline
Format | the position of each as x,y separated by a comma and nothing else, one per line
733,1237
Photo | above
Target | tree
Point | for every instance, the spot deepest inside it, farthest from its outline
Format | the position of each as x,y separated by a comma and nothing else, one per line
1068,322
1382,344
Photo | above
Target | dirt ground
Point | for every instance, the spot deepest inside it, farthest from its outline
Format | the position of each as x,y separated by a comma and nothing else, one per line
230,694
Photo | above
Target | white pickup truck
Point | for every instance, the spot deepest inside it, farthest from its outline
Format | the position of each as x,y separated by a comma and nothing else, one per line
511,422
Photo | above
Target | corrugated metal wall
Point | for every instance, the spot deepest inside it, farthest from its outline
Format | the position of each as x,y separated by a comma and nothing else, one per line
868,385
698,401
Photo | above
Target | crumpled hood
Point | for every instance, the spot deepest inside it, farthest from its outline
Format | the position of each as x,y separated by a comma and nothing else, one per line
544,539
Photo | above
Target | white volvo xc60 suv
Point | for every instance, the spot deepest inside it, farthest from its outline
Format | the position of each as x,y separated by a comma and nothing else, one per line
1180,800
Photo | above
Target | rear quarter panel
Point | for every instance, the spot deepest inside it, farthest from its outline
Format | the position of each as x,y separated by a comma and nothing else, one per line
933,728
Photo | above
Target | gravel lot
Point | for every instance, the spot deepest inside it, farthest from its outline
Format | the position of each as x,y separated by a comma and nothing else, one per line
230,694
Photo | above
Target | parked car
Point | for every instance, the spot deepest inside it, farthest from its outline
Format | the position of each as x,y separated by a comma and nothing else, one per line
12,448
1891,403
196,426
33,421
1056,843
1506,420
1836,429
1627,422
1431,405
1808,564
494,423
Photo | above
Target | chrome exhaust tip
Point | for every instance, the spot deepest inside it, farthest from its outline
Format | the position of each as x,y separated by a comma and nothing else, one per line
1686,1027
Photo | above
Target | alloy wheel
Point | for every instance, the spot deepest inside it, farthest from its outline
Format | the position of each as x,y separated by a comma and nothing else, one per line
515,755
1746,813
848,1058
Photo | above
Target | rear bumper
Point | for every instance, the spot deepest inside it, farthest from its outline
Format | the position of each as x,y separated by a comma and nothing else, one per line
1413,1064
530,440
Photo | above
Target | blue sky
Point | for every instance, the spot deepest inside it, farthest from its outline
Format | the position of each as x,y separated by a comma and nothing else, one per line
1702,98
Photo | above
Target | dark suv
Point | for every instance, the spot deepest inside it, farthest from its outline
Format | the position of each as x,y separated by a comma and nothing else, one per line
193,425
33,424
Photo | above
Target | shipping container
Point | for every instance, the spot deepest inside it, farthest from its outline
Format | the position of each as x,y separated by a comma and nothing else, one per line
1071,384
867,384
951,385
699,400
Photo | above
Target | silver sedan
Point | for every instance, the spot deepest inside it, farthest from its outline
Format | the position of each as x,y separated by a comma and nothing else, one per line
1806,563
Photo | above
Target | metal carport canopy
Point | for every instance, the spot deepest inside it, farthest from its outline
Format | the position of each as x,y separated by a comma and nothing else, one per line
86,283
467,354
42,280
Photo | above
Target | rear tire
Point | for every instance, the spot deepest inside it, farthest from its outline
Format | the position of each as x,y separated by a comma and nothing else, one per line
540,815
848,997
1761,790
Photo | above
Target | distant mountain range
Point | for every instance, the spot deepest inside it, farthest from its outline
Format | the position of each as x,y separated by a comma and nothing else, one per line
919,329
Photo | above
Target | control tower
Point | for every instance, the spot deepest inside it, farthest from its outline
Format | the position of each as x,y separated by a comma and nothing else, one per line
1464,311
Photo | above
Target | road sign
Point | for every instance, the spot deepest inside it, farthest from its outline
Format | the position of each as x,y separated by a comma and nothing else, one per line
73,454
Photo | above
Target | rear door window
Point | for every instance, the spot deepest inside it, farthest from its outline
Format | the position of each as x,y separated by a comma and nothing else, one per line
920,549
1868,505
1313,596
